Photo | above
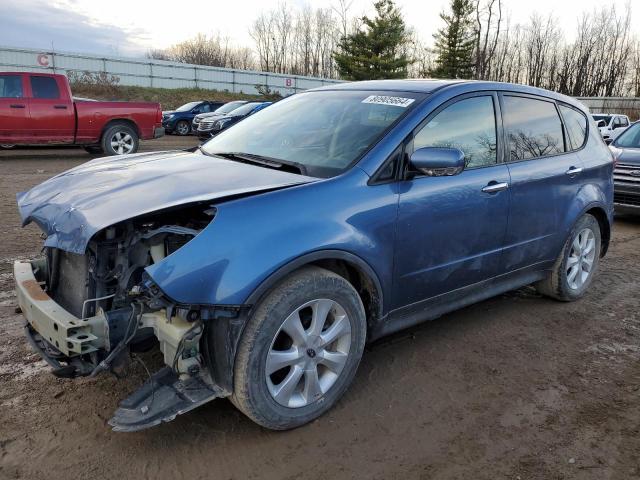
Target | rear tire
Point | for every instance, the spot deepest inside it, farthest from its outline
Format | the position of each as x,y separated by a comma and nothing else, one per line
577,263
119,139
321,356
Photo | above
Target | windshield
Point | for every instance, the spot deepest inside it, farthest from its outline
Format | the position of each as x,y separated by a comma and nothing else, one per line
243,110
630,138
187,106
325,131
228,107
606,118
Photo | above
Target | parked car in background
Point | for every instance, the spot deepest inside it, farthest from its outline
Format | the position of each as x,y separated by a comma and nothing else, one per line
179,120
264,260
214,125
611,125
219,112
38,108
626,176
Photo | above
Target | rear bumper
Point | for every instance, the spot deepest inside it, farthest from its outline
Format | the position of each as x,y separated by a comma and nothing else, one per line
68,334
158,132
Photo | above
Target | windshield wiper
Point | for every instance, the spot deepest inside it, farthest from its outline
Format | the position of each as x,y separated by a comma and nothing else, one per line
262,160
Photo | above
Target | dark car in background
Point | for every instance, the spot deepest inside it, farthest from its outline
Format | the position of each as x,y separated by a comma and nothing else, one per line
626,176
219,112
209,127
179,120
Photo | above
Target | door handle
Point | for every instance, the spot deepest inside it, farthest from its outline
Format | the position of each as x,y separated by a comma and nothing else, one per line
60,107
573,171
495,187
16,105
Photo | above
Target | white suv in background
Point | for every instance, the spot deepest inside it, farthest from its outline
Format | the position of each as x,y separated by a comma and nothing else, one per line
611,125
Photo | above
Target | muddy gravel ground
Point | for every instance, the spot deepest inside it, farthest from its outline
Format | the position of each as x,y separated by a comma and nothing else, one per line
517,387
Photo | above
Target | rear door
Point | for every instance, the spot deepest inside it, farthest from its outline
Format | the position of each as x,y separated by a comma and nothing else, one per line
451,229
52,116
545,179
14,109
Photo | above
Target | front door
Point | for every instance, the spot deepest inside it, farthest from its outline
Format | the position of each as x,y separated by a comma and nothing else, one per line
451,229
14,109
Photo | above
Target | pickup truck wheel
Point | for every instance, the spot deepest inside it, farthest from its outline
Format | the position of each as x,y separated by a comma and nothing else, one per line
300,349
182,128
120,139
577,264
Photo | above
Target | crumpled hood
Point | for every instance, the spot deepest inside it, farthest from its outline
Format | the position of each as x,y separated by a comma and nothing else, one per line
72,206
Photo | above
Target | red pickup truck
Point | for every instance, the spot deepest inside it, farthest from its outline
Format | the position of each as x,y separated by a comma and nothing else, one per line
38,108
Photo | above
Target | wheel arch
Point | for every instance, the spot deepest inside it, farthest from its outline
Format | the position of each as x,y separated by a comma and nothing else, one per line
600,215
353,268
124,121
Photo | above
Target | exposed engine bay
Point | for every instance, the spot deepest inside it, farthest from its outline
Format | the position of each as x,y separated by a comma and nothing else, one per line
112,309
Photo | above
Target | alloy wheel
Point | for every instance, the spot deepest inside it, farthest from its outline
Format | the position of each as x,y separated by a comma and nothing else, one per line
182,128
122,143
581,258
308,353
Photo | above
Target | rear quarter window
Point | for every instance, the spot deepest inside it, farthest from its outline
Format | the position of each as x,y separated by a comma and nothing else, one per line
44,87
575,123
533,127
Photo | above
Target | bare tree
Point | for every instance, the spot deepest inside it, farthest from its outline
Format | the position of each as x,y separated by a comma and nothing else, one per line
488,21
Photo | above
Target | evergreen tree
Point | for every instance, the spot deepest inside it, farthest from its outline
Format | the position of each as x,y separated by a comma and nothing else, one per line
378,50
454,42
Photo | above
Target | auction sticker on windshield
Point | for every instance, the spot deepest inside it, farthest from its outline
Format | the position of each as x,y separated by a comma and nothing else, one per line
387,100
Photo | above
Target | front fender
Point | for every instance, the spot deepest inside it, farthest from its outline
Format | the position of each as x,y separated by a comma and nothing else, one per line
252,238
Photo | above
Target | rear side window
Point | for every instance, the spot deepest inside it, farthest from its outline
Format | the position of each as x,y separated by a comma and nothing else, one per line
576,124
468,125
44,87
10,86
533,127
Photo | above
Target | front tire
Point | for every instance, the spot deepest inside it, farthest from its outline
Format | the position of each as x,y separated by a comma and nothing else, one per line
120,139
182,128
300,349
577,263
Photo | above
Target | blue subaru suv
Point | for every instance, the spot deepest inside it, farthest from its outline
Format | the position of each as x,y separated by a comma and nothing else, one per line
261,262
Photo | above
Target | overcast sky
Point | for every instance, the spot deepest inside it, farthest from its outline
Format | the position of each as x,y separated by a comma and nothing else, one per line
131,27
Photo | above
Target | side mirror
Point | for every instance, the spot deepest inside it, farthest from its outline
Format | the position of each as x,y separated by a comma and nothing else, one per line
601,123
438,162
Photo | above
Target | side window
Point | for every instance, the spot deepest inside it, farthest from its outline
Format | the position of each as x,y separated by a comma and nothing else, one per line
44,87
469,125
11,86
625,121
576,124
533,128
205,108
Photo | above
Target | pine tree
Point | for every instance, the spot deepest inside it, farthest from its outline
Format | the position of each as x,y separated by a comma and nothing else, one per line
454,42
378,50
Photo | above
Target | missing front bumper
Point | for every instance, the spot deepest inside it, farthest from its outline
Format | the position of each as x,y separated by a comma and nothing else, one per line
69,334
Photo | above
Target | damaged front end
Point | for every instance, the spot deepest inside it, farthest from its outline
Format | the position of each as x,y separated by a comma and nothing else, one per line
87,312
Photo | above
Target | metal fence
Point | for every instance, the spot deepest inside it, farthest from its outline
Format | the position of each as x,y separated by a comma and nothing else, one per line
156,73
625,105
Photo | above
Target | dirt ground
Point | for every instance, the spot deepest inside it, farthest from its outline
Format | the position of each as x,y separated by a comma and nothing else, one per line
517,387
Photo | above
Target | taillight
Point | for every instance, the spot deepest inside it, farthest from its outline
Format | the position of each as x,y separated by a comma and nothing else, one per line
159,114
